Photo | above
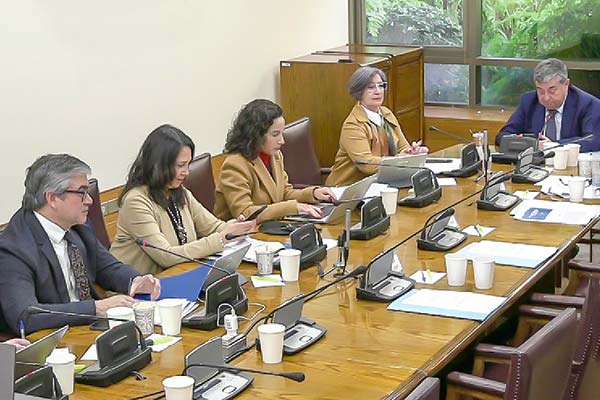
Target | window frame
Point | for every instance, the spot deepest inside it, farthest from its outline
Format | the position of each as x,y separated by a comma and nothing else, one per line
469,54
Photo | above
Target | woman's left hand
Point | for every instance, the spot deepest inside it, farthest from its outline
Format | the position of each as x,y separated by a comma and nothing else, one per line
324,194
416,148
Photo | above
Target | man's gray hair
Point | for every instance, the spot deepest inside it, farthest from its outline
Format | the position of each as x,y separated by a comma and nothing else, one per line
361,78
50,173
550,69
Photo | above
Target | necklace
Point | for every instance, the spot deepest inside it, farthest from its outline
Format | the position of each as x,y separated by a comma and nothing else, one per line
177,221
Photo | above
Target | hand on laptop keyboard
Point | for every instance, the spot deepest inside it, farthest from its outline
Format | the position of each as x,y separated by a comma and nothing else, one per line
310,210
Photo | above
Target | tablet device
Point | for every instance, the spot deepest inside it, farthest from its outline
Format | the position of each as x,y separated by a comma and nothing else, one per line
38,351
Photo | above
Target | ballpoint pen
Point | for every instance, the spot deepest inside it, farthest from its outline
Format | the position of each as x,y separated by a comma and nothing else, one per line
423,276
479,230
22,329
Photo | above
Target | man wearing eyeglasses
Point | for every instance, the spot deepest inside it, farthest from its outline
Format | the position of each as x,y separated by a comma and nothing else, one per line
51,258
556,111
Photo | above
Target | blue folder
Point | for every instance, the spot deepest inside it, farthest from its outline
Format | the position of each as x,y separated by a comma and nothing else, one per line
182,286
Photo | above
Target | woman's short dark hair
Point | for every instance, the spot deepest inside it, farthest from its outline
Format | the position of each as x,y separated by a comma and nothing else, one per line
250,127
361,78
154,165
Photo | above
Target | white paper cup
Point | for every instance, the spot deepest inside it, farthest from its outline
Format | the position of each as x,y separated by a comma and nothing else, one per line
584,164
264,259
483,269
170,316
271,342
561,157
120,313
576,188
178,387
456,269
63,367
144,316
573,149
389,197
545,146
289,263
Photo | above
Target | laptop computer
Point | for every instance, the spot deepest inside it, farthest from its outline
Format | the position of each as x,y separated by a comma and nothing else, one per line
397,171
38,351
7,375
229,262
349,199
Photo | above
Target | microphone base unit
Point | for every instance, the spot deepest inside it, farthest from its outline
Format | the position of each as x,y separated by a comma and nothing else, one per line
394,285
533,175
208,322
510,158
96,376
422,200
502,201
446,240
223,386
234,347
298,337
464,172
307,239
371,231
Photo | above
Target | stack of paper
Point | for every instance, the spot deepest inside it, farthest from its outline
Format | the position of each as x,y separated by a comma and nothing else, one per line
448,303
558,212
559,186
517,254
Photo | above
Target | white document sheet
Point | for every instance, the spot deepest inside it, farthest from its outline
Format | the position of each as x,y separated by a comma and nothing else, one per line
559,186
516,254
558,212
438,168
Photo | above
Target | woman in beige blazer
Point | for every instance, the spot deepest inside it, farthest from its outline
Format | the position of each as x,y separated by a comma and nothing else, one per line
156,208
370,132
253,174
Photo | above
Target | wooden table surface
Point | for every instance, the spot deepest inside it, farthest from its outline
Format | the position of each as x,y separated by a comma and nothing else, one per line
368,351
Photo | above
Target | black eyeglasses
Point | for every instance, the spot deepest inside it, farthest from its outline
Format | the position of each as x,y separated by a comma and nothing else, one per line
82,192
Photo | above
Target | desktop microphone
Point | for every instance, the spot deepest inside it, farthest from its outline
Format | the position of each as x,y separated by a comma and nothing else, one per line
144,244
231,236
294,376
452,135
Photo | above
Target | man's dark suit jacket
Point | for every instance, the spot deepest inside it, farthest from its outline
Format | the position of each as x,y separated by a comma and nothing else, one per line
30,274
581,117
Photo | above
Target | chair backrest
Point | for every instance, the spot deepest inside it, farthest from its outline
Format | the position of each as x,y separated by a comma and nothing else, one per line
584,382
299,157
429,389
95,215
201,181
540,366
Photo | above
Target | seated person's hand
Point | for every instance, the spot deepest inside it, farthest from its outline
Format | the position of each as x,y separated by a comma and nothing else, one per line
416,148
324,194
543,138
119,300
314,212
235,227
18,342
145,284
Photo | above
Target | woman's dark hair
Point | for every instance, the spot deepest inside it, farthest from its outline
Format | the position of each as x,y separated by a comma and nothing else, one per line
250,127
154,165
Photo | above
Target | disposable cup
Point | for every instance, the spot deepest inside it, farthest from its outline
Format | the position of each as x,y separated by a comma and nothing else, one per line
576,187
63,367
289,263
119,313
144,316
170,316
456,269
178,387
389,197
545,146
573,149
271,342
561,157
483,269
264,259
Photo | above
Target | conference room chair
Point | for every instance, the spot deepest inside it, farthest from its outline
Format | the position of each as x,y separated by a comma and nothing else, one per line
201,181
299,157
429,389
537,369
95,215
580,272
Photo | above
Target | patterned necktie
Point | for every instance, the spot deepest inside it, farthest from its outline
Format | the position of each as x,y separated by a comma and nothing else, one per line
551,125
78,268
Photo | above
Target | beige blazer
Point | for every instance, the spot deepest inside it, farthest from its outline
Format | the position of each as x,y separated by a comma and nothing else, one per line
245,185
142,218
359,141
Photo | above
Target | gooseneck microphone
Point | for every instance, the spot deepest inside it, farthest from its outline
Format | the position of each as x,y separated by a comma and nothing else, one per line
143,243
231,236
294,376
452,135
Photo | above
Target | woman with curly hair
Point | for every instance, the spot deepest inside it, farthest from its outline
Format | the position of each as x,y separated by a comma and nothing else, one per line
253,173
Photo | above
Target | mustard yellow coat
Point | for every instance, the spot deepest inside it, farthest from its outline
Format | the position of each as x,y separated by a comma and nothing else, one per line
359,141
245,185
142,218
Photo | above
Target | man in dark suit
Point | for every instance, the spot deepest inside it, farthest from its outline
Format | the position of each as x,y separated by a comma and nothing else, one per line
556,110
50,257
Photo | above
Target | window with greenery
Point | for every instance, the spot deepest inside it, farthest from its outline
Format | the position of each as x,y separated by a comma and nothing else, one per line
493,43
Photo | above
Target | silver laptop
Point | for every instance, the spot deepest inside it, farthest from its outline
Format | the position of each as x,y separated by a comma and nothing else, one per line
230,263
397,171
350,198
38,351
7,375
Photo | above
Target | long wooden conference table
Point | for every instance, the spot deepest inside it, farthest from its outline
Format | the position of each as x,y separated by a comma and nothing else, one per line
368,351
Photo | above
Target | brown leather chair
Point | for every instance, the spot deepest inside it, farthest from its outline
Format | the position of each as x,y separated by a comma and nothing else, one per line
538,368
95,215
201,181
429,389
299,157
